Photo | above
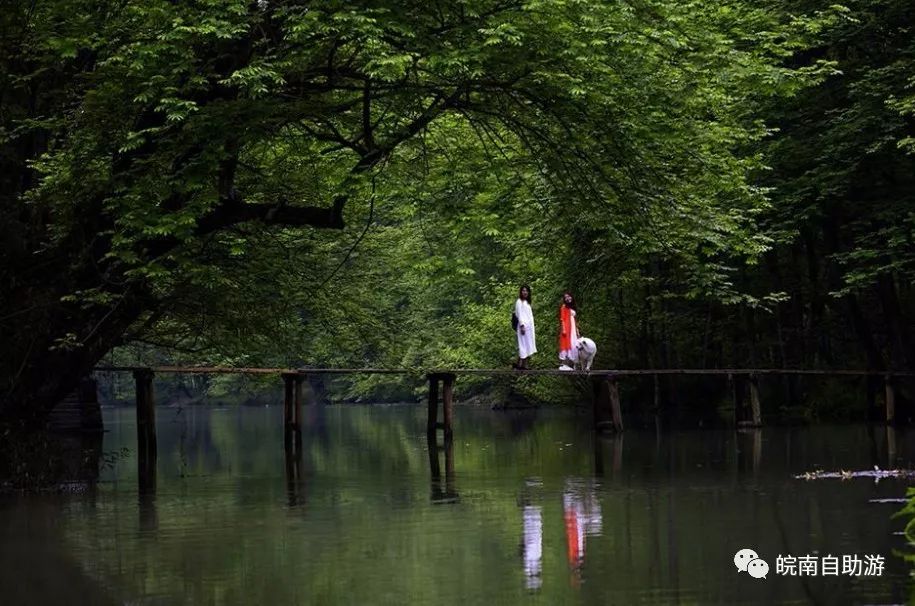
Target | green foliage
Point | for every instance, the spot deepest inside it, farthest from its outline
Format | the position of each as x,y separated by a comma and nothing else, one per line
590,138
908,511
643,154
846,158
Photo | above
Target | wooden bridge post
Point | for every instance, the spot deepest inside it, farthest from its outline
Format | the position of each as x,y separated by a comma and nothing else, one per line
297,411
146,417
871,387
289,389
737,387
448,405
890,391
755,408
606,403
432,419
447,424
615,411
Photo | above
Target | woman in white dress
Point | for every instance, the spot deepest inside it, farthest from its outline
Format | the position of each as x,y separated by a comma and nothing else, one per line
527,339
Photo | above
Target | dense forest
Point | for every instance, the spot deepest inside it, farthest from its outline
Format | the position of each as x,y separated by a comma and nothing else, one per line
720,184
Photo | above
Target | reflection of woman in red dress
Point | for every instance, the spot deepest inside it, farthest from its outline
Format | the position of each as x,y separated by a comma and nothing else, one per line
575,540
573,537
568,331
582,517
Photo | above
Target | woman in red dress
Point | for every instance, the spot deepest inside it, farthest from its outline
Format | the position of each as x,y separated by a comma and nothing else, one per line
568,331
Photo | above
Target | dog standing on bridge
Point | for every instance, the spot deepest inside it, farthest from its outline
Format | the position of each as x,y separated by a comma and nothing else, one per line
586,352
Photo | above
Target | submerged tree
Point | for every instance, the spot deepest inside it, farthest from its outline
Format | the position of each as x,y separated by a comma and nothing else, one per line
148,145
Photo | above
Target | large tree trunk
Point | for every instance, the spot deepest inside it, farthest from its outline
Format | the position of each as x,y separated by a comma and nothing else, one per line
52,340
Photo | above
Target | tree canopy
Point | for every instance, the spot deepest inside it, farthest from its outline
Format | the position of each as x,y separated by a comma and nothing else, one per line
355,182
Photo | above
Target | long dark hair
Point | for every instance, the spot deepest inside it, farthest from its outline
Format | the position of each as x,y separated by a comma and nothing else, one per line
523,286
563,302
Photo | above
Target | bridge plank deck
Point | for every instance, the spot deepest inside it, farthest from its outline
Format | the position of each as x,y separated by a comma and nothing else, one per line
618,372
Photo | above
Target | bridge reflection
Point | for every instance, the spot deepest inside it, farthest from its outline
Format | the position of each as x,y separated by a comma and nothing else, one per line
442,492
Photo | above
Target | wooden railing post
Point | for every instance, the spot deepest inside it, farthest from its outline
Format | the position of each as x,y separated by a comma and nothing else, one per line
146,414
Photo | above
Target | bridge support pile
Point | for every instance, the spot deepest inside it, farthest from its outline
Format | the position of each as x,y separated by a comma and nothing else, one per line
292,410
606,403
147,449
447,391
746,413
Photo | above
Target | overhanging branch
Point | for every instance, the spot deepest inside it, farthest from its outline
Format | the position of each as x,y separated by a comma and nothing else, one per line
233,211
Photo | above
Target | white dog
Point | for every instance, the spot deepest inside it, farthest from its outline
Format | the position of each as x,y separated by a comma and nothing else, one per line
586,352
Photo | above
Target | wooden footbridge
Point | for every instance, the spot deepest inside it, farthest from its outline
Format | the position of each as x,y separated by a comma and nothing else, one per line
604,383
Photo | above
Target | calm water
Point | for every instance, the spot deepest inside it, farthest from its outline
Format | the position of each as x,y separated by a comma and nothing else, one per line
536,510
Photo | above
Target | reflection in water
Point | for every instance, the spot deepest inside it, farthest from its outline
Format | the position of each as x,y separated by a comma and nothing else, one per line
532,548
616,442
447,493
891,433
581,517
295,483
34,569
148,514
749,449
147,481
581,513
217,528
